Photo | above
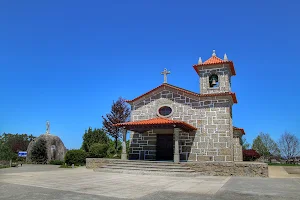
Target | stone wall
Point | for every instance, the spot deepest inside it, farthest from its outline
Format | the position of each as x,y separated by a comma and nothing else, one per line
224,77
92,163
143,146
204,168
210,115
237,147
229,168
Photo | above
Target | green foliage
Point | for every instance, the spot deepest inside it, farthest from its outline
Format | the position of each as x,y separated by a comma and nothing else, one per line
39,151
6,153
91,137
16,142
98,150
56,162
113,152
270,144
76,157
259,147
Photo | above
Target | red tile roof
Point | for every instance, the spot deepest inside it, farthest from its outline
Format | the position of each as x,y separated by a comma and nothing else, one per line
213,61
157,121
165,86
239,129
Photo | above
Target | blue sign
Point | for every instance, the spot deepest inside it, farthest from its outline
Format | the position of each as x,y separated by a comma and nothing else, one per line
22,154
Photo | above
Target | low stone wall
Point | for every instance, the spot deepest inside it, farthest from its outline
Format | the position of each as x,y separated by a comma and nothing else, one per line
251,169
92,163
229,168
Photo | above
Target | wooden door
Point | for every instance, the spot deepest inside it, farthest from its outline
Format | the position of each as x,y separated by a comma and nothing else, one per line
164,147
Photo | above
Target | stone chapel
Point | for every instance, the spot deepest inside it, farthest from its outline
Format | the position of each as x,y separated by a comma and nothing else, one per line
175,124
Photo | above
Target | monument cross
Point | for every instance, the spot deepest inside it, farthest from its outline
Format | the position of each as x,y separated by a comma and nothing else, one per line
47,127
165,73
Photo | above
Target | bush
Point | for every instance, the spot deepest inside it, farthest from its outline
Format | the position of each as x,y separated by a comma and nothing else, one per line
76,157
98,150
39,152
56,162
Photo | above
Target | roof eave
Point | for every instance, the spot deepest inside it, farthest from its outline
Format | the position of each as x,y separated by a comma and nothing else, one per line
232,70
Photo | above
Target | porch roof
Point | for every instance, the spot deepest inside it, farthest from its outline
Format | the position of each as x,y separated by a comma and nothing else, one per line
154,123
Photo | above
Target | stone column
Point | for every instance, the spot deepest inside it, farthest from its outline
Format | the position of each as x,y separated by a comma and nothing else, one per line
124,153
176,149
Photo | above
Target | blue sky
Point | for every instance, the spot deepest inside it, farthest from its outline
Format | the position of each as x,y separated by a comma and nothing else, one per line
66,61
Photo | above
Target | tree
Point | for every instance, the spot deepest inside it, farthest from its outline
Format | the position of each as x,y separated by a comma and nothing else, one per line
270,144
39,151
6,153
119,113
91,137
16,142
289,145
98,150
259,147
245,144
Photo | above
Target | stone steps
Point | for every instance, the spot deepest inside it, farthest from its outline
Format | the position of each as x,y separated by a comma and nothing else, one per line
147,167
147,164
142,172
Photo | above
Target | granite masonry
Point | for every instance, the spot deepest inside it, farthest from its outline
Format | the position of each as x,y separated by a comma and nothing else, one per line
203,120
169,123
211,116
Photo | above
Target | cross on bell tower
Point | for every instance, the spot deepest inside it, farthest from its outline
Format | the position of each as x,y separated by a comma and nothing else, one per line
165,73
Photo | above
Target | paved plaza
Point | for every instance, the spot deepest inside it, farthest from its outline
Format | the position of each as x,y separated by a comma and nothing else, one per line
50,182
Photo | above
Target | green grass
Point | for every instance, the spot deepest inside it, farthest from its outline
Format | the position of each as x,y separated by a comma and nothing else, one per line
3,166
283,164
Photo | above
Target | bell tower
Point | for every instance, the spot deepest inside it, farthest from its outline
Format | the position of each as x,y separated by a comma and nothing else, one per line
215,74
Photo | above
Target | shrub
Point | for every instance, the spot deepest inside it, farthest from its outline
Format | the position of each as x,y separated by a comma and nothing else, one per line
39,152
98,150
76,157
56,162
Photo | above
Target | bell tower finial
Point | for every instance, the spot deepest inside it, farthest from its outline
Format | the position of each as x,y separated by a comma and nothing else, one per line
214,53
225,57
200,61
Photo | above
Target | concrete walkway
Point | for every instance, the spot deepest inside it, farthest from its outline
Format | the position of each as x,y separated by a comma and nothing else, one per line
49,182
280,172
116,185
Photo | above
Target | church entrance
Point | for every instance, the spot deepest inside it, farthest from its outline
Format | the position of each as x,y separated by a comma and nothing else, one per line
164,147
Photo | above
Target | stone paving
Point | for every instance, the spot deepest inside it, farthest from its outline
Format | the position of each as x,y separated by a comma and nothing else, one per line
117,185
50,182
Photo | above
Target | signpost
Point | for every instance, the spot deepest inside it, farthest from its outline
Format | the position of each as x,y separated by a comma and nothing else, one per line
22,154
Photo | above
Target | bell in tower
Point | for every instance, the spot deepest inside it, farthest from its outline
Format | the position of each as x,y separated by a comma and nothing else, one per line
214,81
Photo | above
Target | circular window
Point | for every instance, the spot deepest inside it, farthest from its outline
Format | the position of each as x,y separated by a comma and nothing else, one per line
165,111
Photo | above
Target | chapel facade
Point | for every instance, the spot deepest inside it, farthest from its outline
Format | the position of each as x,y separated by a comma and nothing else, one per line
172,123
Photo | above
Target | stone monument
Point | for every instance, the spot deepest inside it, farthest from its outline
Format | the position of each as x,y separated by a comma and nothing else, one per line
56,149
